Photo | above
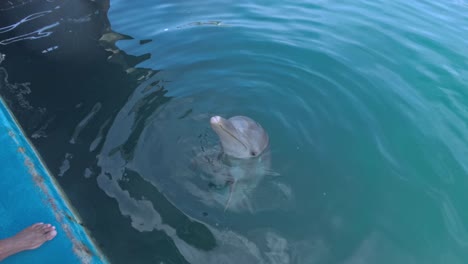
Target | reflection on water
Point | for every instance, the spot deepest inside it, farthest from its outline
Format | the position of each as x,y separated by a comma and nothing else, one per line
145,165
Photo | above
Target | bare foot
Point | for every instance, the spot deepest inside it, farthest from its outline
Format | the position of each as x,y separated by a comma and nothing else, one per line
29,238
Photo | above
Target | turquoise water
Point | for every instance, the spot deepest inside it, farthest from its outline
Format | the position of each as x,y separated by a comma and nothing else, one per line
365,103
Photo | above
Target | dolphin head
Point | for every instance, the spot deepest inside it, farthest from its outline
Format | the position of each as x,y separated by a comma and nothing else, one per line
240,136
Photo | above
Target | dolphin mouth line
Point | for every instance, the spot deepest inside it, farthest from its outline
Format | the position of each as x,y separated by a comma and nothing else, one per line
229,133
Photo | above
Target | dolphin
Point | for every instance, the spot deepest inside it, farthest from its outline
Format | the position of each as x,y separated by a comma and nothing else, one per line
240,136
241,162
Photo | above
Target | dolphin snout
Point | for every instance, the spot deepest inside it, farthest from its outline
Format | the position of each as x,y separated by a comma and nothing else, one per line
215,120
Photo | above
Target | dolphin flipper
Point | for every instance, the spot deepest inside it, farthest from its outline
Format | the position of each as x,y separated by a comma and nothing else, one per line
232,185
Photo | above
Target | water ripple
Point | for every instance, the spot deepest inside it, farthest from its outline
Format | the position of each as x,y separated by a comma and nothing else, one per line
40,33
356,96
24,20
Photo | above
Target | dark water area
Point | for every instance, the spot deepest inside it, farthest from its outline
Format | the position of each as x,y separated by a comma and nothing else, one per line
52,79
365,103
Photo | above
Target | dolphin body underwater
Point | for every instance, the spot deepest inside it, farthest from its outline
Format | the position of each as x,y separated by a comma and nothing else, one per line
244,159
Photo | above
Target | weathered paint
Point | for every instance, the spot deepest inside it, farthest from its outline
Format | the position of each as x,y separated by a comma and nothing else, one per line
29,194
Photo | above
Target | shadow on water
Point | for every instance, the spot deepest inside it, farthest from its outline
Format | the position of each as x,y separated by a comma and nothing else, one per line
190,231
60,68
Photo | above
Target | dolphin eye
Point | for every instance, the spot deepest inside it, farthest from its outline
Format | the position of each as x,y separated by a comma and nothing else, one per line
253,153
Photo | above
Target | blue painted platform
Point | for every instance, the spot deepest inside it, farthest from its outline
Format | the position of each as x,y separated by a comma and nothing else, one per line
29,194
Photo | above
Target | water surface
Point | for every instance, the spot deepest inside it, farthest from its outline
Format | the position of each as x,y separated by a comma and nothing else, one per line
365,104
